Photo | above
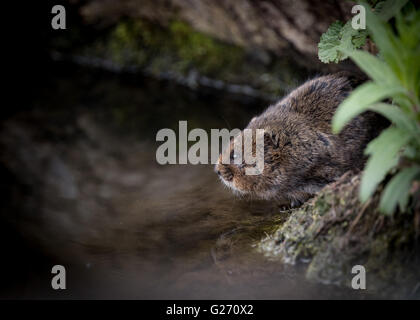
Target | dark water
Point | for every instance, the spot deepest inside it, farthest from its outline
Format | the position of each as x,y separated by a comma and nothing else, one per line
82,188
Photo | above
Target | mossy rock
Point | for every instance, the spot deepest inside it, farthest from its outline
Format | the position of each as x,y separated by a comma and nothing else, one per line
179,52
334,232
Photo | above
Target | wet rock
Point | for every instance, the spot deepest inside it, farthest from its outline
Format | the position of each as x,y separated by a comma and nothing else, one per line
334,232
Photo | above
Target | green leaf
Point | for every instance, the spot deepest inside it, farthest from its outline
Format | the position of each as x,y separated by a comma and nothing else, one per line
384,155
387,9
339,39
412,153
329,42
351,38
397,191
375,68
396,116
359,101
384,38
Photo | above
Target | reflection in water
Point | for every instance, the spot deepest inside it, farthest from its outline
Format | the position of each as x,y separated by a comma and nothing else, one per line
84,190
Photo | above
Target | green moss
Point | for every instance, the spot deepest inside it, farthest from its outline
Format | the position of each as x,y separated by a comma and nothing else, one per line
203,52
175,48
334,232
179,50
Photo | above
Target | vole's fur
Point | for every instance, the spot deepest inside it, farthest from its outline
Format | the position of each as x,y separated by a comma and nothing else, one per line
301,154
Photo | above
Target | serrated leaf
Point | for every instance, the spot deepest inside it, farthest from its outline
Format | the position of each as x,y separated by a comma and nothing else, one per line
338,40
359,39
397,191
384,155
359,101
351,38
328,42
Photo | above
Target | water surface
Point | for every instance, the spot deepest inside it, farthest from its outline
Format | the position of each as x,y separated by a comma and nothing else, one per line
82,188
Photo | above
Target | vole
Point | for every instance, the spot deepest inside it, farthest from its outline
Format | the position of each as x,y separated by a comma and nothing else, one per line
301,154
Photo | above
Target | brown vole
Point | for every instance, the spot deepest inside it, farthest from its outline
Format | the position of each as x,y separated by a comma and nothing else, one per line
301,154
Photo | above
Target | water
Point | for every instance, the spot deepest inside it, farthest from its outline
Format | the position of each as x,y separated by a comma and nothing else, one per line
82,188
